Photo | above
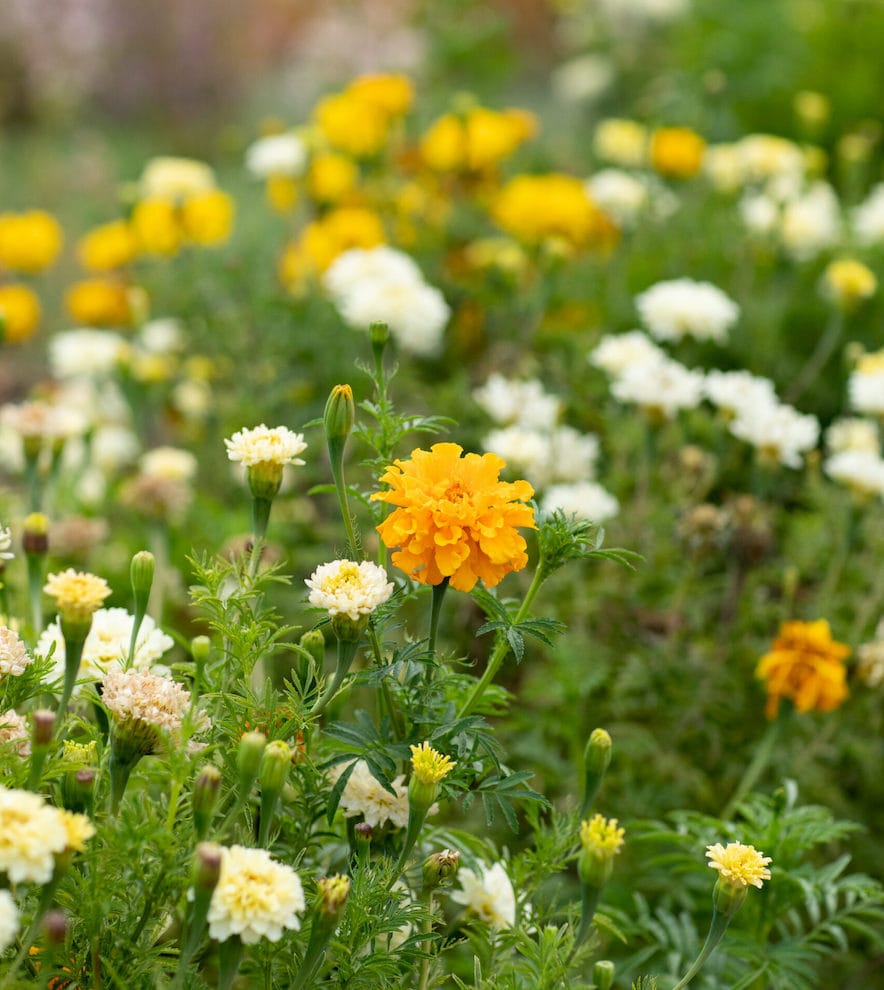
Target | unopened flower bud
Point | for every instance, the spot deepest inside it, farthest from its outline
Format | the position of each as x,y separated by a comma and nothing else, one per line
205,798
597,759
275,762
379,334
35,534
43,725
248,759
200,648
55,927
207,866
340,414
78,790
333,894
603,974
727,898
363,832
141,572
439,868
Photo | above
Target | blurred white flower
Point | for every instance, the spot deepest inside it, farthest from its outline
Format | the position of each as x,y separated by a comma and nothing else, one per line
277,155
867,219
169,464
488,894
860,470
583,499
582,79
811,223
681,307
86,353
852,433
161,336
526,403
661,388
9,920
733,391
620,194
779,433
617,352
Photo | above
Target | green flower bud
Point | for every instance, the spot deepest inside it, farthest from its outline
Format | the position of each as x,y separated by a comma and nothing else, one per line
205,798
340,414
439,868
200,648
333,894
248,759
78,790
597,759
265,479
275,762
603,974
379,334
141,572
728,898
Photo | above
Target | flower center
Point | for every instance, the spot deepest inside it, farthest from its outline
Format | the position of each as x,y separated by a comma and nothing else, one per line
346,579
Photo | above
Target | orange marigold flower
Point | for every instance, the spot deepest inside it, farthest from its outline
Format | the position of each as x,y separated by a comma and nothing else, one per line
454,518
805,665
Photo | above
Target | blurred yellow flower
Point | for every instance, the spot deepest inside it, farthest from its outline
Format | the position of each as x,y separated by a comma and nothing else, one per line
475,141
207,218
30,241
281,192
805,665
390,92
20,313
351,125
454,518
168,177
324,239
552,207
677,152
105,248
99,302
848,282
331,176
621,142
156,227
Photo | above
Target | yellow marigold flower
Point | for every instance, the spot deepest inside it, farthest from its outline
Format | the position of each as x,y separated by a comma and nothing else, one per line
20,313
281,192
848,282
82,754
110,246
538,208
156,225
331,176
98,302
29,242
478,140
390,92
170,177
738,865
622,142
601,836
352,125
677,152
338,231
806,665
454,518
207,218
78,828
77,594
428,765
444,146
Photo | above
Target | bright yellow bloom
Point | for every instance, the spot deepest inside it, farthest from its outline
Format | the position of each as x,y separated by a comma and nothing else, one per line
677,152
98,302
476,141
78,828
281,192
324,239
601,836
622,142
806,665
207,218
156,226
390,92
331,176
553,207
428,765
848,282
20,313
352,125
454,518
77,594
738,865
110,246
29,242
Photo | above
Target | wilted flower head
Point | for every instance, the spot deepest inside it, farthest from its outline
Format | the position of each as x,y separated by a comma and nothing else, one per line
144,705
454,518
77,594
806,666
255,898
738,865
489,894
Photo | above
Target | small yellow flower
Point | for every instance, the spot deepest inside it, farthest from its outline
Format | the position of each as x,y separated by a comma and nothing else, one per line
30,241
78,828
331,176
428,765
207,218
99,302
156,226
20,313
105,248
281,192
738,865
82,754
77,594
677,152
602,837
848,282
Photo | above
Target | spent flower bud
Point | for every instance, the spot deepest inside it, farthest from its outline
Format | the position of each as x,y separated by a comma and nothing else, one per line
333,894
439,868
42,727
207,865
55,927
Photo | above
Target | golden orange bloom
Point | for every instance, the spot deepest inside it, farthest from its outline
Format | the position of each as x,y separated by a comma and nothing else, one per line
99,302
805,665
454,518
207,217
20,313
109,246
677,152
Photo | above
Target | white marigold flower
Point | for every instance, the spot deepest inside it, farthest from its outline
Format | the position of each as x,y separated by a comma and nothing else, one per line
277,156
620,194
866,385
39,420
256,897
526,403
582,79
860,470
170,177
9,920
345,587
86,353
107,645
853,433
366,796
6,543
367,265
779,433
161,336
14,729
31,833
868,218
733,391
759,213
263,445
140,697
617,352
169,464
811,223
572,455
681,308
14,657
488,894
526,451
660,388
584,499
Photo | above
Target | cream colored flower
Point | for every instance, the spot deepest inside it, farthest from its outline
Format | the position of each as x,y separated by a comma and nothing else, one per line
366,796
169,464
170,177
14,657
9,920
488,894
256,897
739,865
345,587
77,594
6,543
681,308
14,729
263,445
31,833
138,696
78,829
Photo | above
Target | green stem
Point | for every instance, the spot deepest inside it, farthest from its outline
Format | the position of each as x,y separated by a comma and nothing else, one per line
32,482
501,649
589,899
319,936
824,349
35,564
427,929
346,653
336,454
759,762
73,653
138,618
716,931
260,521
46,895
435,610
120,771
230,954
